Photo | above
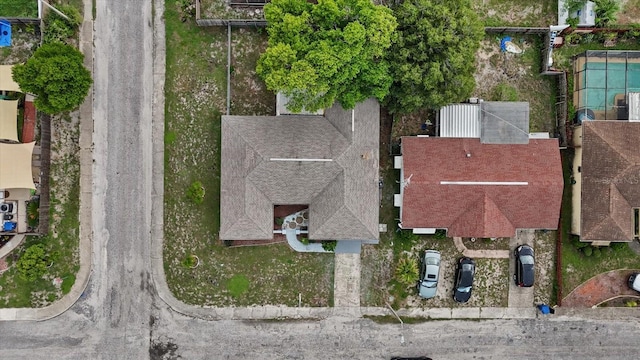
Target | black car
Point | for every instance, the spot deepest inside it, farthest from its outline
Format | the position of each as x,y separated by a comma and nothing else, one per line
464,279
524,266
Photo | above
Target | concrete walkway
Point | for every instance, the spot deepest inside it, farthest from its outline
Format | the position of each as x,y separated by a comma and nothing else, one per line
520,297
346,280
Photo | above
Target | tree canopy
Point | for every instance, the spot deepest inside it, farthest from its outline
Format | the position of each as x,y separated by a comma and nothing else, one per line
432,57
56,75
330,51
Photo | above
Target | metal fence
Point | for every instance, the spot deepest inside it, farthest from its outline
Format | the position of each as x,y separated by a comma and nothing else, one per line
23,21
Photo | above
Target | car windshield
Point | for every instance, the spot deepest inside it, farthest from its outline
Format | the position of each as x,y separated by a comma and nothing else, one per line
432,261
465,289
526,259
467,267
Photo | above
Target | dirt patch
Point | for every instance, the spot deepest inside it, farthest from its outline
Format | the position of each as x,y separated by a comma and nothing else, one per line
545,250
25,39
519,75
486,243
629,12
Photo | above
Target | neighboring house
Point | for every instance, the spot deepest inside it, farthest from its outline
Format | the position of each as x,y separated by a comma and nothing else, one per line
16,170
606,181
329,163
478,190
586,15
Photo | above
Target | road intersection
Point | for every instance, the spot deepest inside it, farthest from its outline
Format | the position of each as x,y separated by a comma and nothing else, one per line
126,311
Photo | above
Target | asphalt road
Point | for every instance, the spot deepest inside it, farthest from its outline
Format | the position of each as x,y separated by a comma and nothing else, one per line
120,317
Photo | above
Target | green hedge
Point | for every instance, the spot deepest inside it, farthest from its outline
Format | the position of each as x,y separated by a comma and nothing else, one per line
19,8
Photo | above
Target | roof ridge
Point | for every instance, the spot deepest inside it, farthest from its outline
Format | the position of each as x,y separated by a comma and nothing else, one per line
491,202
595,229
611,206
346,205
612,147
239,134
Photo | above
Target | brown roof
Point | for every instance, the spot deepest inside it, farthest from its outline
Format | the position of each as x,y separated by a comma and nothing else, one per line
530,199
257,172
610,176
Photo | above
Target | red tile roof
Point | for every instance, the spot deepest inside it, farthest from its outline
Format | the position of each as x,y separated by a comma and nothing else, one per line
480,210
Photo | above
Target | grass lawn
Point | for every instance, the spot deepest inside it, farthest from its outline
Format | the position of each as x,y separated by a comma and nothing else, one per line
522,13
61,243
19,8
195,99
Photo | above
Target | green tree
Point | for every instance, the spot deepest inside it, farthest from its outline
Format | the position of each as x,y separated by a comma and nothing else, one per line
56,75
330,51
33,263
433,55
606,12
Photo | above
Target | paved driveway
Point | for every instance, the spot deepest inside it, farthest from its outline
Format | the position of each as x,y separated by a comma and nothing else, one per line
600,288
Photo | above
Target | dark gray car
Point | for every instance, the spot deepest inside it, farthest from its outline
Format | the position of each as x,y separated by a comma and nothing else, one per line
524,266
464,279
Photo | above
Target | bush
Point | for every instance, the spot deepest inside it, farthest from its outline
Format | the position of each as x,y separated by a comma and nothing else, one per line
440,234
587,251
407,271
196,192
406,235
617,246
304,240
33,213
33,263
59,29
329,245
189,261
597,252
56,75
605,12
631,303
580,244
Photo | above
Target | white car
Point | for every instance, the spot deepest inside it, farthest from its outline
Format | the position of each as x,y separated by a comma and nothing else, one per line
429,274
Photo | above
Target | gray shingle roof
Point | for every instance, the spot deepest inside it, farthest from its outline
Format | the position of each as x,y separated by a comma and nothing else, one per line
504,122
342,191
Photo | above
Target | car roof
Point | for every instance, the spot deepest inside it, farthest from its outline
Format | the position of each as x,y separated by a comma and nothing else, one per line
527,274
466,277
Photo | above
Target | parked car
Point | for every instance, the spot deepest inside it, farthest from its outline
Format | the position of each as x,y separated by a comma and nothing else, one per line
634,281
525,262
429,274
464,279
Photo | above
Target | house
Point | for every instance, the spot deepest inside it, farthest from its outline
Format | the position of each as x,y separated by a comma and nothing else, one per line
328,162
472,189
606,174
16,161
